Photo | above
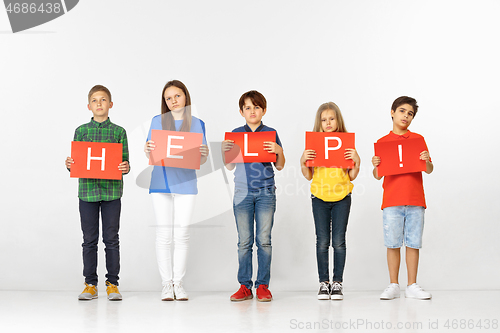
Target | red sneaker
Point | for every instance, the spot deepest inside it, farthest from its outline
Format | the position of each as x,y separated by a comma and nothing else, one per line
242,294
264,294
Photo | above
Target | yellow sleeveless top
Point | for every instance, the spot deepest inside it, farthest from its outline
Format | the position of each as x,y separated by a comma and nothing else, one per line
331,184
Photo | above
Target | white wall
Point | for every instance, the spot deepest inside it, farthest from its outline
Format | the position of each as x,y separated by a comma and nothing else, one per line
359,54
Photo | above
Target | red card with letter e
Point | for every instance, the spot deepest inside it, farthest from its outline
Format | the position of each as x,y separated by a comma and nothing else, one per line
98,160
249,147
330,148
176,149
400,156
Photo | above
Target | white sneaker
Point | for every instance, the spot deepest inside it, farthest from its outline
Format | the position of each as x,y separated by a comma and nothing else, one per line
179,292
391,292
415,291
167,293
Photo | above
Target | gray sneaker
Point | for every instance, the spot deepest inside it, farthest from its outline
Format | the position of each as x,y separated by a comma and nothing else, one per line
324,290
90,292
336,293
113,293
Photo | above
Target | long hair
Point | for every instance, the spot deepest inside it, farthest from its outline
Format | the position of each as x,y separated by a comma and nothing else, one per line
167,120
338,117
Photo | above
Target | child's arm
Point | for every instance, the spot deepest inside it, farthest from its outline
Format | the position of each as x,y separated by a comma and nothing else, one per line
204,154
376,162
308,154
274,148
426,157
227,145
352,154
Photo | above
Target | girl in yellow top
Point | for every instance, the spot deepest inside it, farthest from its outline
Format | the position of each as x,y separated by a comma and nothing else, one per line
331,203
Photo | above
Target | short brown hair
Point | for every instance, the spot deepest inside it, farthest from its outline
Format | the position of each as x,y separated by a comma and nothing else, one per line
405,100
168,122
97,88
338,117
256,97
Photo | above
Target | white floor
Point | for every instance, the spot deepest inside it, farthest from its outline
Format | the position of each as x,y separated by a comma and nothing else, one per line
448,311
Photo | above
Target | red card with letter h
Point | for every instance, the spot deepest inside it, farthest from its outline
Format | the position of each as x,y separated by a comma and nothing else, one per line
98,160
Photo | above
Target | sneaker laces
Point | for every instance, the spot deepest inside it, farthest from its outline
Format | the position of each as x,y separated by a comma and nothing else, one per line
323,286
88,289
337,286
112,289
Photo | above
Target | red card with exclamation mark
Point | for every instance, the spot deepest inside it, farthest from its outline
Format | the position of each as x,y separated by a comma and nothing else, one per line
400,156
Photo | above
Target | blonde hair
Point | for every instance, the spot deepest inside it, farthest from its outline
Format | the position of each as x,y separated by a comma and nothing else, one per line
338,117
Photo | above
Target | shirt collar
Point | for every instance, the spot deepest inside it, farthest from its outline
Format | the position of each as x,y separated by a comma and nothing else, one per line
404,136
248,129
97,124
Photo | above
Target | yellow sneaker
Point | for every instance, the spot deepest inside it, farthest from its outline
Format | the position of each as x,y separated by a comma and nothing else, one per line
88,293
113,293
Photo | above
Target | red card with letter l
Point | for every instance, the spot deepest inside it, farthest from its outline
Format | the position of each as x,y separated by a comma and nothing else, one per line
176,149
400,156
249,147
330,148
98,160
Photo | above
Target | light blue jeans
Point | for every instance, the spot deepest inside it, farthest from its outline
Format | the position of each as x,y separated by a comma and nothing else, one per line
258,206
403,223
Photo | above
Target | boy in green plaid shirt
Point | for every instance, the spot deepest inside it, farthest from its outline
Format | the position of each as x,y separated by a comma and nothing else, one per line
103,195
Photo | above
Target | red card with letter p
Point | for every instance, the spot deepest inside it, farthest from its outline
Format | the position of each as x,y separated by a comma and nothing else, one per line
176,149
249,147
330,148
400,156
98,160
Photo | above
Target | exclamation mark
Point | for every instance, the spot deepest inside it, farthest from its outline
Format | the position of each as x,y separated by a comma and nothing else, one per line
400,149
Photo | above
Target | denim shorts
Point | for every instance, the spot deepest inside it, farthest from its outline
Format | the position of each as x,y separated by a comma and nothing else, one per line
403,222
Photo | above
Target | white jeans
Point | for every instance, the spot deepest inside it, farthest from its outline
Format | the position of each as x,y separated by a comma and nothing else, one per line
173,215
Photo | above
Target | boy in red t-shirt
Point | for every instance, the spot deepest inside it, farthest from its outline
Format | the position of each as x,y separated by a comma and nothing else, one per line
403,206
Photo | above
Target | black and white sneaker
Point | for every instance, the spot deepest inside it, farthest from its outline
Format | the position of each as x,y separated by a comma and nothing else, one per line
324,290
336,292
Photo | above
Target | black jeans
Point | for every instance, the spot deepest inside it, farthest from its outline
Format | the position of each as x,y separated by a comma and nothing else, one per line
89,215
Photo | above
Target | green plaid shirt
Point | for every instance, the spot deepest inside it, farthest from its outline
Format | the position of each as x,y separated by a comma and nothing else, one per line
93,190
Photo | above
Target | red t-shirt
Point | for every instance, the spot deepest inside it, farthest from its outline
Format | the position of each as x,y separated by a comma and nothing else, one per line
404,189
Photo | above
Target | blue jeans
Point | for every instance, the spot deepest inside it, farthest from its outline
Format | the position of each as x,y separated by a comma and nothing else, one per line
89,215
330,220
260,206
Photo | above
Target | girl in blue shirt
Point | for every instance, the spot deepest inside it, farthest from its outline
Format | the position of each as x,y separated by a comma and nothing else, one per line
173,191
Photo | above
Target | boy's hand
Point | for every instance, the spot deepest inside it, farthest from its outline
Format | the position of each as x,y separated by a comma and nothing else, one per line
149,146
352,154
272,147
424,156
227,145
124,167
69,161
204,150
376,161
308,154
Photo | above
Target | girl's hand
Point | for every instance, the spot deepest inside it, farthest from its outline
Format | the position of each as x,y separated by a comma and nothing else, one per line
308,154
149,146
376,161
124,167
69,161
204,150
352,154
272,147
424,156
227,145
